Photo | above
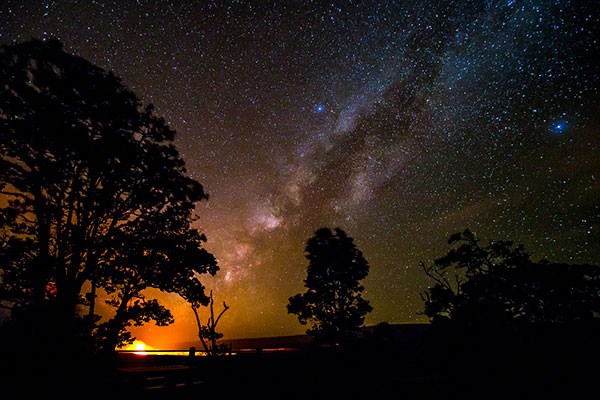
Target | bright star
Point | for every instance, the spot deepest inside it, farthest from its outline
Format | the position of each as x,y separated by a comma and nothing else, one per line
319,108
559,127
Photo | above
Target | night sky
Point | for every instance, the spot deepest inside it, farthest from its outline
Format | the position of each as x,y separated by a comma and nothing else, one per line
400,122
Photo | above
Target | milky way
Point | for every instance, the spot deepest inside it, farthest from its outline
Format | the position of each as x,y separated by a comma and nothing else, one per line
399,122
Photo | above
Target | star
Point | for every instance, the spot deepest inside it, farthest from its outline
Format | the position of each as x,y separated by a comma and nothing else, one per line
559,127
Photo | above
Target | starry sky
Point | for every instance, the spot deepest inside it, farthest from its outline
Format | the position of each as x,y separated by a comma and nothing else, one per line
400,122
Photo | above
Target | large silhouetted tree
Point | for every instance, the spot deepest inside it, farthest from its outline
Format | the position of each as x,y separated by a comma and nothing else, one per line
499,284
93,193
333,302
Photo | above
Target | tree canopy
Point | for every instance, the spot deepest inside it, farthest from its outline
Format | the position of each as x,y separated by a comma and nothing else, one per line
93,192
333,302
499,284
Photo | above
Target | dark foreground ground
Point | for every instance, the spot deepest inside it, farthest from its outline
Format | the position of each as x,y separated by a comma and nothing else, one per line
530,367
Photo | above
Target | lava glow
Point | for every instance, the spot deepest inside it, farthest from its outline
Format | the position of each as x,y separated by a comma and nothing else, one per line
138,347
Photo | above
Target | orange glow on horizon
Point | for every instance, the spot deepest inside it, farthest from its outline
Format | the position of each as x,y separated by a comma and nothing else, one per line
139,346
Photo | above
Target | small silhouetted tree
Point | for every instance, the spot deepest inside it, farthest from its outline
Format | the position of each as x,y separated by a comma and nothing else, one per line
207,332
499,284
94,194
332,303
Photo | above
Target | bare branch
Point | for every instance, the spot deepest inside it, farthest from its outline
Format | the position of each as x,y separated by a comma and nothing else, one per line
226,307
436,275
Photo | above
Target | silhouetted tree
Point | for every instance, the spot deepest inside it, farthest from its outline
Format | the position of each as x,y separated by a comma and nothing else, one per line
207,333
499,284
333,302
93,191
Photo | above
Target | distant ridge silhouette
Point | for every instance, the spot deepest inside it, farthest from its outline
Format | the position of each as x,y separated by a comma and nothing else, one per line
397,334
